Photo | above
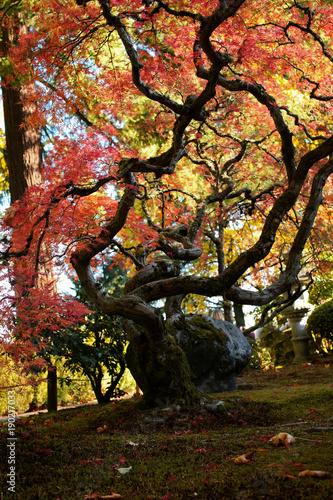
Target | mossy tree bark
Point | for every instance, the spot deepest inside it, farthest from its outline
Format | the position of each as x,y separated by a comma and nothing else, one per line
159,365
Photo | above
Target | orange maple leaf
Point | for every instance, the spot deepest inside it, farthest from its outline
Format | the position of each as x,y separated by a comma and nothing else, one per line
48,422
101,429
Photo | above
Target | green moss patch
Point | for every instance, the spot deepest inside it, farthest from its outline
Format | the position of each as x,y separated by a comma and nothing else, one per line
204,330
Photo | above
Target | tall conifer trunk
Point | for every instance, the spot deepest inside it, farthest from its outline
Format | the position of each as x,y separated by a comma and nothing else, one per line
23,142
23,139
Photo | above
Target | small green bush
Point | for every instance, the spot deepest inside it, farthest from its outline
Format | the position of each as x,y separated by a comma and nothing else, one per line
320,326
260,356
279,345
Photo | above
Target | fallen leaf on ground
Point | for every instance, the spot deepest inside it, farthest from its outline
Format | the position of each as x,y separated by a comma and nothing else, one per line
130,443
313,473
244,459
101,429
167,496
289,476
124,470
282,438
200,450
298,465
91,495
113,495
93,461
48,422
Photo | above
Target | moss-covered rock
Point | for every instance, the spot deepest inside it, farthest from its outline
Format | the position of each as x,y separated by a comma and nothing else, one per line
216,351
198,353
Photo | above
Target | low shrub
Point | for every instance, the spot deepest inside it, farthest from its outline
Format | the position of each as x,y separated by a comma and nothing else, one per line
260,356
320,327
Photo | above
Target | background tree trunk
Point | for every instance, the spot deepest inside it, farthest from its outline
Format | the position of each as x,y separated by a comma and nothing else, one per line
23,140
239,315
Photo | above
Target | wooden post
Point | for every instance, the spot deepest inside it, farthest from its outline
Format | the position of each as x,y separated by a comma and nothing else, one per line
52,402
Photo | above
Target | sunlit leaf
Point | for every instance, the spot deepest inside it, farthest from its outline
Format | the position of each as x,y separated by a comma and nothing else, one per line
314,473
283,438
124,470
113,495
245,459
101,429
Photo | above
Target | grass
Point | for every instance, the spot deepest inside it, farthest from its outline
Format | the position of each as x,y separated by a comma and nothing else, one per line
183,454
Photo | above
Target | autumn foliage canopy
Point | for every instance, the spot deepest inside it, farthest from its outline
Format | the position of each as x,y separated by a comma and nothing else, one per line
189,141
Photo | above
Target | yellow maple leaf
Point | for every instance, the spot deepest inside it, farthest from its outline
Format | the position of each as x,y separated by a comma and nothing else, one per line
313,473
113,495
244,459
282,438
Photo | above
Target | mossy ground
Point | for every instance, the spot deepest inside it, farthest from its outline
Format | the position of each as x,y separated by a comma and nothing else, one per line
180,454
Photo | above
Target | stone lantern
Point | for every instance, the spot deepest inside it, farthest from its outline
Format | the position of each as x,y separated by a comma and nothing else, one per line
295,314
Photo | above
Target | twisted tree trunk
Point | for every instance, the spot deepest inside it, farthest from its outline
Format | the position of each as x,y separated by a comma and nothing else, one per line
159,365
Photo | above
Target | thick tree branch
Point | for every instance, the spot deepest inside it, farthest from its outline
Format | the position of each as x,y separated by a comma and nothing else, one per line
221,14
162,269
115,22
82,257
224,283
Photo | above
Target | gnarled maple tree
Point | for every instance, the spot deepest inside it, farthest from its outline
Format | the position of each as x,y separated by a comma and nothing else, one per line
192,142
